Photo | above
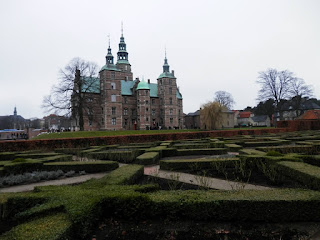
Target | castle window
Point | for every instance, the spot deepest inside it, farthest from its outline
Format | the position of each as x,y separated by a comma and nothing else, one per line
112,75
171,120
113,98
113,110
153,112
147,102
113,85
170,101
171,111
125,99
147,119
170,90
125,111
160,82
89,99
125,121
133,111
147,109
152,101
113,121
170,82
146,91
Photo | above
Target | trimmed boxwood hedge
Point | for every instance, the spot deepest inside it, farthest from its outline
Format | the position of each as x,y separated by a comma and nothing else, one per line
148,158
196,164
304,173
306,149
88,167
57,226
204,151
114,155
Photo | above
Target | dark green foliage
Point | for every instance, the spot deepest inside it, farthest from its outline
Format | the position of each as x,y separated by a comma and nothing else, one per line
304,173
233,147
7,156
22,167
19,160
88,167
148,158
274,153
126,156
205,151
306,149
196,164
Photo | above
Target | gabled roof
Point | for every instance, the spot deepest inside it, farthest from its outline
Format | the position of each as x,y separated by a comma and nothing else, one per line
244,114
311,115
126,87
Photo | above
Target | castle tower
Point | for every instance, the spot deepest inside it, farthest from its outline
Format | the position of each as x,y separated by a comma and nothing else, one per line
167,92
143,105
123,61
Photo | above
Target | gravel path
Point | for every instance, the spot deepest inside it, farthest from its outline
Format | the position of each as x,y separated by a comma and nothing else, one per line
214,183
64,181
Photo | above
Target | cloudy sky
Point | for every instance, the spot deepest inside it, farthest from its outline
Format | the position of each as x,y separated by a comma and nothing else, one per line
212,45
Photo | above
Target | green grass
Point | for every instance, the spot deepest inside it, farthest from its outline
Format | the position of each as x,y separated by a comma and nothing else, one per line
106,133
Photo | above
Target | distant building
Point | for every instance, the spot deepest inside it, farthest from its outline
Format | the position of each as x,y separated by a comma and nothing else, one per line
14,121
310,115
54,122
119,102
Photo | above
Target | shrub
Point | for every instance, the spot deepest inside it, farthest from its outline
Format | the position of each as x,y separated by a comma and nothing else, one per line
89,167
148,158
206,151
19,160
274,153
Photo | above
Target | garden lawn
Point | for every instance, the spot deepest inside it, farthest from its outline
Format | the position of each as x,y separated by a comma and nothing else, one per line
85,134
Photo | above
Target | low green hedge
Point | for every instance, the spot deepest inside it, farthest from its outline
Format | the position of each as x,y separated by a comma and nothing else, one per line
192,145
36,155
19,168
119,156
265,143
73,151
196,164
233,147
169,152
57,158
148,158
88,167
250,151
306,149
57,226
216,144
311,159
304,173
7,156
205,151
278,205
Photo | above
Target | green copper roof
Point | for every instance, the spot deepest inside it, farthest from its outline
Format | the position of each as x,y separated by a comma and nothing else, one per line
123,61
166,75
126,87
91,85
143,85
153,89
110,67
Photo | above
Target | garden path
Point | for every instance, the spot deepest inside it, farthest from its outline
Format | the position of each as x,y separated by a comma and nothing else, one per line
64,181
208,182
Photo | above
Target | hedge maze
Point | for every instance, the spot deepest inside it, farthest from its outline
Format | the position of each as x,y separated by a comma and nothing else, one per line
127,204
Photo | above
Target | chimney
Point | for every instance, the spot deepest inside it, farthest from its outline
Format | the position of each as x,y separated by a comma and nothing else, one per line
172,72
149,81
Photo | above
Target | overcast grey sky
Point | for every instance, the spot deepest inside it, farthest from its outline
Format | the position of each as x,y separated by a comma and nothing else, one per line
212,45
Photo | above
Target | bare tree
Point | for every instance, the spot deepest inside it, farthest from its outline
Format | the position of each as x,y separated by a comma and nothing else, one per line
275,85
224,99
77,81
211,115
298,91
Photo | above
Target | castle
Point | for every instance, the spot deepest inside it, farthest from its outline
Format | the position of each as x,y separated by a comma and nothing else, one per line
123,103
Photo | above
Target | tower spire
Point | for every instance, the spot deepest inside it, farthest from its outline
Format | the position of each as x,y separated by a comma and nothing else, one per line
109,57
165,65
122,53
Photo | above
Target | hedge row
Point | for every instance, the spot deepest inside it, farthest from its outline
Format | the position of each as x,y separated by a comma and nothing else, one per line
88,167
148,158
196,164
307,149
51,144
127,156
304,173
204,151
37,165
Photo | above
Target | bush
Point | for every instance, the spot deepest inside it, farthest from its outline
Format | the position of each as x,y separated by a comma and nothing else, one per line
274,153
148,158
304,173
206,151
19,160
89,167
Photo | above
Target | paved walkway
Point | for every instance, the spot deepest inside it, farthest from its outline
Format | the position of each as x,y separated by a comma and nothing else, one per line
64,181
214,183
